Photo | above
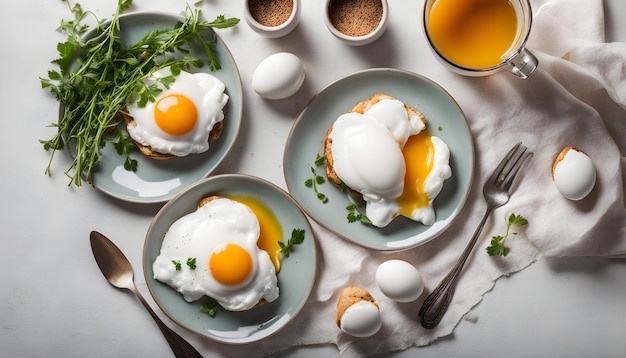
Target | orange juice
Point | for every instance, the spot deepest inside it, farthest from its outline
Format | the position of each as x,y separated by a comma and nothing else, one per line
472,33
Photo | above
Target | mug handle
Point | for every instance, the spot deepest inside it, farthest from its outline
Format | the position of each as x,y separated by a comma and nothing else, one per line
524,64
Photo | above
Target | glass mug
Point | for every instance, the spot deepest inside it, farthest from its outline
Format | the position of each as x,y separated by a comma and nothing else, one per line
480,37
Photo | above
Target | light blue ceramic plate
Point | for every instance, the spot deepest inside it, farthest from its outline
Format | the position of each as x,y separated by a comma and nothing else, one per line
295,279
159,180
445,119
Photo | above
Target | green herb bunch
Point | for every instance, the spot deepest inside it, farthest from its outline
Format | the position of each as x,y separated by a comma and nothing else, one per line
98,76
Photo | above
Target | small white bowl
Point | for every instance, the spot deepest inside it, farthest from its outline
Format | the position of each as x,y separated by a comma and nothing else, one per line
357,40
272,31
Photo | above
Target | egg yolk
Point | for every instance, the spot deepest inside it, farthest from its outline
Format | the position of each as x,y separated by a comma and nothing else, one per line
230,264
271,231
419,153
175,114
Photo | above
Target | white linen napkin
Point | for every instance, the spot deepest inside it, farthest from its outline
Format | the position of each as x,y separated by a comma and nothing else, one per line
576,98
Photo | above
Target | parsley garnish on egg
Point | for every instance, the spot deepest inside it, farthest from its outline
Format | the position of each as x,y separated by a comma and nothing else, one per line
98,76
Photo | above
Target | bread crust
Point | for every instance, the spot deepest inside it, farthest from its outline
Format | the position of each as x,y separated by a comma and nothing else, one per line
360,108
207,199
348,297
149,152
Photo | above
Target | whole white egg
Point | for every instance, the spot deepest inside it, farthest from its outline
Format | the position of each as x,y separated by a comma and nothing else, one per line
399,280
278,76
574,174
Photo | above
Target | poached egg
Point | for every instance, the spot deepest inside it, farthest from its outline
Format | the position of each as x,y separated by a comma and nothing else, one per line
387,155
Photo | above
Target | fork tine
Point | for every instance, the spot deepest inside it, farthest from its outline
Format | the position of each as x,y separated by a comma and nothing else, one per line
512,178
496,173
510,164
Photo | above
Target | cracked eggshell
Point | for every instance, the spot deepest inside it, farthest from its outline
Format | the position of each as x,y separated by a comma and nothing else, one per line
573,173
357,312
278,76
362,319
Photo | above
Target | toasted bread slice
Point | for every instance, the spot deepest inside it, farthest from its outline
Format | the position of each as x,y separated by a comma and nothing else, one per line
215,133
361,108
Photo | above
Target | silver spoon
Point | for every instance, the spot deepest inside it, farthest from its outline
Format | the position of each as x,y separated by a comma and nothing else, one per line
118,271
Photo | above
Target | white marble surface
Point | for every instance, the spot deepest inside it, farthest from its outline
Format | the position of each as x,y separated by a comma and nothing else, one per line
53,300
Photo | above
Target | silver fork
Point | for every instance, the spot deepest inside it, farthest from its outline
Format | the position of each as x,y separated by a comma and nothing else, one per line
496,190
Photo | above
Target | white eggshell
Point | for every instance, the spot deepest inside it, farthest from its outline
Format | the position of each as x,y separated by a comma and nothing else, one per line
278,76
574,174
399,280
362,319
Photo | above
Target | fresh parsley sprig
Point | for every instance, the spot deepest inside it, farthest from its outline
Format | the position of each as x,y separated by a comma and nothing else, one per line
317,179
110,75
354,215
314,182
497,248
297,237
209,306
191,263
